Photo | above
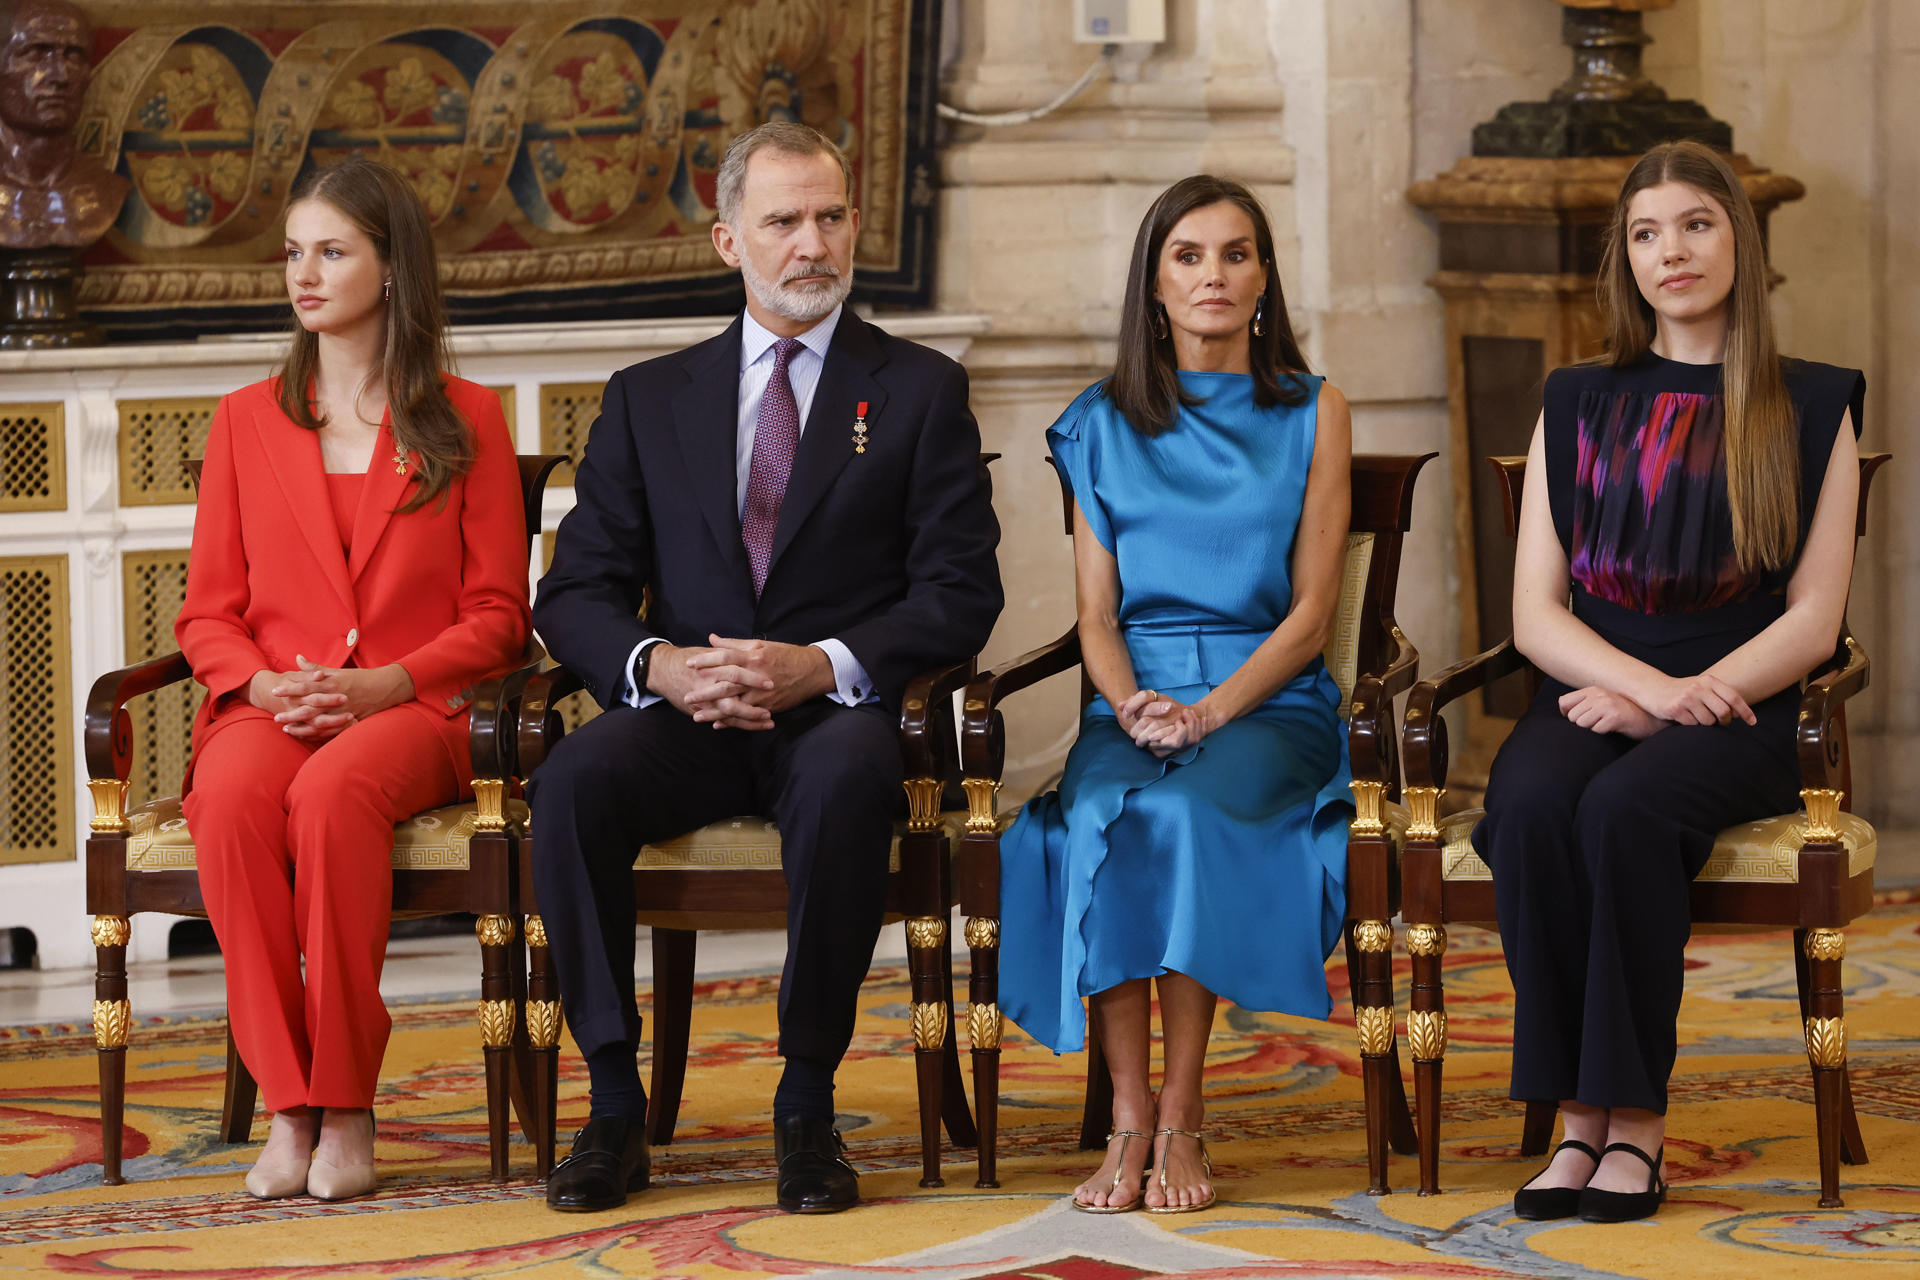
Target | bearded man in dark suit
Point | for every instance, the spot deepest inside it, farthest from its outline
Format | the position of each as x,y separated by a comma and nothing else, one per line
803,500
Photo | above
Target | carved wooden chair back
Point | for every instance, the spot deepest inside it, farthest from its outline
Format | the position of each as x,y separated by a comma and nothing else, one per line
1810,871
453,860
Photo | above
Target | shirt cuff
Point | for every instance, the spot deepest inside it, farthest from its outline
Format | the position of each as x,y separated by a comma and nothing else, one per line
635,696
852,686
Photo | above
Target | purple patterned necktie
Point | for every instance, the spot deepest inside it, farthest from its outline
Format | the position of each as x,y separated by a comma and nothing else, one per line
775,437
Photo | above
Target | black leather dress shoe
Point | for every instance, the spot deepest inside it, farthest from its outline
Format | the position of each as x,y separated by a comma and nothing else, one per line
814,1174
609,1160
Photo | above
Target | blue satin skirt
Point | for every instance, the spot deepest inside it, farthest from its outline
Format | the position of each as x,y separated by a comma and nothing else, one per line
1226,863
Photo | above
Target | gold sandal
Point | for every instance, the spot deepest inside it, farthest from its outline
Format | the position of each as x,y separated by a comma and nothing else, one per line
1129,1206
1206,1162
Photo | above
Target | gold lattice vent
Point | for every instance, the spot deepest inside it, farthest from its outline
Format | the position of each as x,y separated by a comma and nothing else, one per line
33,457
157,437
155,586
36,711
567,409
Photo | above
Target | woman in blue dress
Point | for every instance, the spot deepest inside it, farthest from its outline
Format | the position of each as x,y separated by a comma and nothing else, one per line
1198,838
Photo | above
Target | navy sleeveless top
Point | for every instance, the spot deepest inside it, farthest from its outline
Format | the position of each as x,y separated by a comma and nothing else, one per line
1637,485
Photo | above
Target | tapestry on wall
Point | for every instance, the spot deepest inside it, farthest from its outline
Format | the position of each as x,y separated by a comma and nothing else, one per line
565,151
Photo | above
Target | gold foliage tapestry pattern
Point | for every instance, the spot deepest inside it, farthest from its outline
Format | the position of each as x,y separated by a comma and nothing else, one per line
566,152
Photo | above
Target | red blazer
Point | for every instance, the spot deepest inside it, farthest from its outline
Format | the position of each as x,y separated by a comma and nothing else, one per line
441,590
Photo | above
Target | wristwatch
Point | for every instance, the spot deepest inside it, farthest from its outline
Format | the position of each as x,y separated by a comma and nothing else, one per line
640,665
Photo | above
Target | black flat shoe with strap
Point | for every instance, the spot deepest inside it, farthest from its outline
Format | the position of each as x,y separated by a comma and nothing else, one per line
1544,1204
1626,1206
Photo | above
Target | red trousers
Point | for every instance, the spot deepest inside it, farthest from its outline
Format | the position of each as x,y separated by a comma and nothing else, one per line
294,845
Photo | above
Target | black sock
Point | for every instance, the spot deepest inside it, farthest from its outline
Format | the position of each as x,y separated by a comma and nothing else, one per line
613,1073
806,1089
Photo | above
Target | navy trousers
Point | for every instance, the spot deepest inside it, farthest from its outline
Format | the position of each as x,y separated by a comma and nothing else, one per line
1593,840
829,775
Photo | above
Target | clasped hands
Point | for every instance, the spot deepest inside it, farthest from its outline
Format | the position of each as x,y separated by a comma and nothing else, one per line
315,703
1161,725
1701,699
739,684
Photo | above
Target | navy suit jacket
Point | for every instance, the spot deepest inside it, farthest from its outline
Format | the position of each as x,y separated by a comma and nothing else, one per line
891,550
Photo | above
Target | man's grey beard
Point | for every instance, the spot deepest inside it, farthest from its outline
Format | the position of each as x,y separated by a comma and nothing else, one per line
803,305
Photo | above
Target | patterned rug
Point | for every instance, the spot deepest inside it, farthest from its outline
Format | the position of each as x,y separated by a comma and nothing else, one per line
1285,1126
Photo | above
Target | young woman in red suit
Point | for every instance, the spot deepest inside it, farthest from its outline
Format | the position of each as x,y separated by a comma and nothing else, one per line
359,562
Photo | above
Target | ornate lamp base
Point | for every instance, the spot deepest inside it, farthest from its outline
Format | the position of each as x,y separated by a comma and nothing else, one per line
1606,107
1553,130
36,301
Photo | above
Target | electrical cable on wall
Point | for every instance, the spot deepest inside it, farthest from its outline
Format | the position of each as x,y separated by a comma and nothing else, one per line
1103,63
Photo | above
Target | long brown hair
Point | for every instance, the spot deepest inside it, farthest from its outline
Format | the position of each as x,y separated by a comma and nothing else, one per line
1145,385
383,205
1762,431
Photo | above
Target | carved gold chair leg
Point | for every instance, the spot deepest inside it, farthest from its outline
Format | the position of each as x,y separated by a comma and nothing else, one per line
1427,1036
1853,1149
543,1040
112,1018
1370,980
983,1034
1826,1035
496,1017
932,1019
979,863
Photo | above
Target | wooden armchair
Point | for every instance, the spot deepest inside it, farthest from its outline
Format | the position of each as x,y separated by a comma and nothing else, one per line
727,875
453,860
1811,872
1372,662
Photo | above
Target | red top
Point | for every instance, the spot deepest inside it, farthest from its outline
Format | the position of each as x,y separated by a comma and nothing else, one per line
343,490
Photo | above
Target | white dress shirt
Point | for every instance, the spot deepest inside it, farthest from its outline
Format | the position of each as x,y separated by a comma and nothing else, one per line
852,686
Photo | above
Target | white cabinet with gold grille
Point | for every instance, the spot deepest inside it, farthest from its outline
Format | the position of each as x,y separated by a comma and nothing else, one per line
96,513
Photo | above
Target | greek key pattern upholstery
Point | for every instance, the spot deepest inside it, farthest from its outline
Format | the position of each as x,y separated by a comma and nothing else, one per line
435,840
735,844
1764,852
1342,655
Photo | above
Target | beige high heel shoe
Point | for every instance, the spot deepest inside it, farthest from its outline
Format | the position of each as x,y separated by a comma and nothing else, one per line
1124,1135
1206,1162
334,1182
278,1178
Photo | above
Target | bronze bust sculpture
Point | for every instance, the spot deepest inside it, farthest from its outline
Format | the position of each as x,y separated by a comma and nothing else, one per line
50,194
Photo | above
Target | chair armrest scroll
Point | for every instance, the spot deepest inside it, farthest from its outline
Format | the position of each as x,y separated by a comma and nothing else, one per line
1370,744
539,723
1423,739
494,725
925,745
1820,737
982,736
109,731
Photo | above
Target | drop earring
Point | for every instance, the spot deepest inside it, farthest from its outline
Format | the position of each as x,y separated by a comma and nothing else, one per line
1160,327
1259,317
386,291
